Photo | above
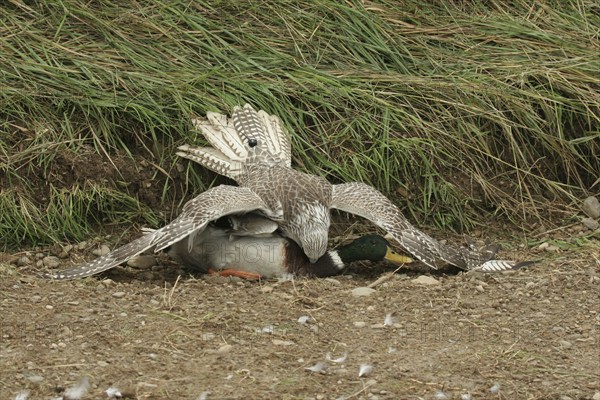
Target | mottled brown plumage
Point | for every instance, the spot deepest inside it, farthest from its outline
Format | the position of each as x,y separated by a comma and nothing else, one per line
252,148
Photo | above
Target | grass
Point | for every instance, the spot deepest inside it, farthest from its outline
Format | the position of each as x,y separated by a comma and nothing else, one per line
459,111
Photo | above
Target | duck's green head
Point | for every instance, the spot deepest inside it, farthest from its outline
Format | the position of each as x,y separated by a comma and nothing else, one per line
372,248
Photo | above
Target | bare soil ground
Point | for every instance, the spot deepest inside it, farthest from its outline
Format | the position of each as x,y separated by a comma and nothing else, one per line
534,332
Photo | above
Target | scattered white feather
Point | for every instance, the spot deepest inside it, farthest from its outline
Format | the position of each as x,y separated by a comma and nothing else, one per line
113,393
318,367
495,389
439,395
391,350
229,377
285,278
389,319
203,395
364,370
78,390
22,395
465,396
303,319
336,360
266,329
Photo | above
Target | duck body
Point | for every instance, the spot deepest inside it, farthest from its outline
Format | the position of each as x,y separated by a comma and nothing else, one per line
270,255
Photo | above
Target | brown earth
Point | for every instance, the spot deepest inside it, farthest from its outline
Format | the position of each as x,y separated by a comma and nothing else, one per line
162,333
155,335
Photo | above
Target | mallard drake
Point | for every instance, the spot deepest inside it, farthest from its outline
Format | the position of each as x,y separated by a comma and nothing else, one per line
248,246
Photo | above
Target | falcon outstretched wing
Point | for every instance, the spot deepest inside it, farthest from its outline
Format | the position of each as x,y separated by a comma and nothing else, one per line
197,213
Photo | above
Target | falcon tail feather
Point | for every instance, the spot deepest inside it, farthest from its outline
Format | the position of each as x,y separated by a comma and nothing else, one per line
247,137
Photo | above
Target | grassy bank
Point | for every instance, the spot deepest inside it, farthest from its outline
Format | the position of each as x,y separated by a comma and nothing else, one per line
457,112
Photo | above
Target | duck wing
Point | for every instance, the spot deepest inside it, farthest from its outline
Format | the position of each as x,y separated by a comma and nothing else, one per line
197,213
365,201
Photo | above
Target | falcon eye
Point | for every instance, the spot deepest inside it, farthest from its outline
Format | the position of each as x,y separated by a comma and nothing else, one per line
252,142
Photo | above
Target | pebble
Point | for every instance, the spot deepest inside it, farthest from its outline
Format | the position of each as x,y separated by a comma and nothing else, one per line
360,324
34,378
51,261
226,348
102,364
425,280
35,299
333,281
591,207
362,291
103,250
266,289
118,294
142,262
596,396
565,344
279,342
23,261
479,288
590,223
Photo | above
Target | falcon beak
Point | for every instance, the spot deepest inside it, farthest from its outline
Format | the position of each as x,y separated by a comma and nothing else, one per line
396,258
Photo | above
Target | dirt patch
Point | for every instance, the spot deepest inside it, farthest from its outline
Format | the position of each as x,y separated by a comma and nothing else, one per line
534,332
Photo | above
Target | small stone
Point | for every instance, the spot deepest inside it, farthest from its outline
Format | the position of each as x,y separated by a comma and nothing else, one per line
49,307
590,223
102,251
596,396
479,288
266,289
23,261
552,248
118,294
51,262
226,348
142,262
34,378
565,344
425,280
35,299
591,207
333,281
81,245
360,324
102,364
543,246
278,342
362,291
